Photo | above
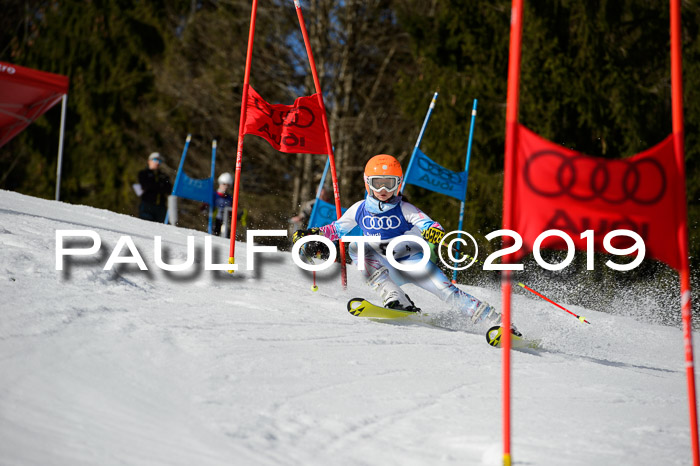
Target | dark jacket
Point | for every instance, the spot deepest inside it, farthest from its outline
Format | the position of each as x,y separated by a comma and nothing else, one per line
156,187
221,201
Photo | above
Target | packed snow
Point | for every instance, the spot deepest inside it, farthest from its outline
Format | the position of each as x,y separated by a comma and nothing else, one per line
127,366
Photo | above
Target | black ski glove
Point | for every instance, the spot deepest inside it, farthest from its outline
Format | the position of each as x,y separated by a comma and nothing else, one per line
299,234
312,249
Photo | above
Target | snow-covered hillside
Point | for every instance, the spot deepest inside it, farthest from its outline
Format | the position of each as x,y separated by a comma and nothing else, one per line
208,368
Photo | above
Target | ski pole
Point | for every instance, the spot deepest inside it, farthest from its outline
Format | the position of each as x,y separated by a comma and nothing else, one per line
581,318
522,285
314,287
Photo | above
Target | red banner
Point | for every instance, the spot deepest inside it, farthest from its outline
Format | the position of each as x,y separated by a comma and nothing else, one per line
292,129
25,95
557,188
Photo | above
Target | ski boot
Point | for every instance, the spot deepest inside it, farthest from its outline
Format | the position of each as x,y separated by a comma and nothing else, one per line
396,304
392,295
487,313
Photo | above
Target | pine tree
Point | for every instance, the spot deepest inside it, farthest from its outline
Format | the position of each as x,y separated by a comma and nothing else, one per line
595,77
106,48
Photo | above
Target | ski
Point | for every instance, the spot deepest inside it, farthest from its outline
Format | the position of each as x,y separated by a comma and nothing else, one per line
494,334
360,307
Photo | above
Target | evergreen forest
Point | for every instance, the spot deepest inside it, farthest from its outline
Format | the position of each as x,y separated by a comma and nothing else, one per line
143,74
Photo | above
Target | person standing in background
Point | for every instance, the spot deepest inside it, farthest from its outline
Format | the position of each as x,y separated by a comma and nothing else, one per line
156,188
222,200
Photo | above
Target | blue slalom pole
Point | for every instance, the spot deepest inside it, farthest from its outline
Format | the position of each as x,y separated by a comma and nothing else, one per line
466,170
318,191
179,170
213,174
314,287
420,138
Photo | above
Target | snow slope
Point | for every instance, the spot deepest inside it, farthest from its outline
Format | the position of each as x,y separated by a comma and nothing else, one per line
203,367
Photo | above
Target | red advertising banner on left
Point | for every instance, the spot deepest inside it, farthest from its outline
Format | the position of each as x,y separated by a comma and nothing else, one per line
294,129
25,95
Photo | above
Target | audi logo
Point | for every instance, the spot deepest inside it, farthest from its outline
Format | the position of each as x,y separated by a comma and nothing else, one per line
385,223
440,172
301,117
588,178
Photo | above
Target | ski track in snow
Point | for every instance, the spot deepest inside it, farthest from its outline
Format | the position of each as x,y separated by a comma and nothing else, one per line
252,368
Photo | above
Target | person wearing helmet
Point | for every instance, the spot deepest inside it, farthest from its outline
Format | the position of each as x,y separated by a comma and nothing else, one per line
222,200
155,189
384,214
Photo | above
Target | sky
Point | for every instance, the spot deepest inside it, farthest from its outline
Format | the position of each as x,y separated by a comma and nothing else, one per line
130,366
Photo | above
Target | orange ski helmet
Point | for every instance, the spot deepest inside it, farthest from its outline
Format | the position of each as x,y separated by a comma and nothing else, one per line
383,172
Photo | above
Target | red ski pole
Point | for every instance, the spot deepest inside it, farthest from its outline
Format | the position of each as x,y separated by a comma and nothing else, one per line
522,285
582,319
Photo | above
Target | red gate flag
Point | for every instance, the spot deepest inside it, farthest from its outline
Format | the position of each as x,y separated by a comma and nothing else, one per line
557,188
299,128
295,129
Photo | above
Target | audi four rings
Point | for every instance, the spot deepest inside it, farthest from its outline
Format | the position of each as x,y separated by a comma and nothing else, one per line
283,116
599,178
441,172
388,223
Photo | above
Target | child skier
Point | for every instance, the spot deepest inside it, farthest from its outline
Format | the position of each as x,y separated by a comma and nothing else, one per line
385,215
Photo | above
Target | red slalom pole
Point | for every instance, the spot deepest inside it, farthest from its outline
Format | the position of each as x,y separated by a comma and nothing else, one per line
516,17
239,151
329,144
682,231
581,318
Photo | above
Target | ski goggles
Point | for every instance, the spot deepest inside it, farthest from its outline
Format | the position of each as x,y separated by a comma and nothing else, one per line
378,183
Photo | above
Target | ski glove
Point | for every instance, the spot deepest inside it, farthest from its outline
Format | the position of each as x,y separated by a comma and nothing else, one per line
299,234
313,249
433,235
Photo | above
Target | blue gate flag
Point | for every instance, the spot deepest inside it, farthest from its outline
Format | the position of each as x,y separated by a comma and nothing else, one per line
318,191
431,175
324,213
194,189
